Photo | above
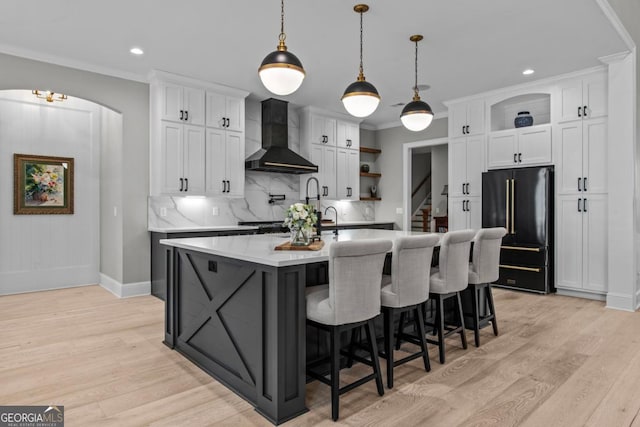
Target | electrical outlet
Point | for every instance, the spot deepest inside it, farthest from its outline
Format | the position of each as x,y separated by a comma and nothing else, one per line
163,212
115,211
215,211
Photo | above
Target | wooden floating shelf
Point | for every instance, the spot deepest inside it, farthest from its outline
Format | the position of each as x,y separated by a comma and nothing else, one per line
370,199
371,174
370,150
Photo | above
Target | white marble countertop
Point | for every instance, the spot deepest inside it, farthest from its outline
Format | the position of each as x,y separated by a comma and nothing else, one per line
259,248
203,228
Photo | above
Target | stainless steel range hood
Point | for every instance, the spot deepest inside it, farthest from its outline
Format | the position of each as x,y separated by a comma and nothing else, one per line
275,155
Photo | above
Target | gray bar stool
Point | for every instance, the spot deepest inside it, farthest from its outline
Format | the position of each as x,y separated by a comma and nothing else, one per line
404,291
484,270
350,301
448,280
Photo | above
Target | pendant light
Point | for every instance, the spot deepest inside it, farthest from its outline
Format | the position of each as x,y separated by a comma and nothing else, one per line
281,71
361,98
417,114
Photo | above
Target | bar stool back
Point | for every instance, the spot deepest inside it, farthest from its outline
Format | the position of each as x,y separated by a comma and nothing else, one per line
404,291
351,300
484,270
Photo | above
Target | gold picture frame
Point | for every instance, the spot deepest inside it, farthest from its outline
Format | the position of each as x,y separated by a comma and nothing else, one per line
42,185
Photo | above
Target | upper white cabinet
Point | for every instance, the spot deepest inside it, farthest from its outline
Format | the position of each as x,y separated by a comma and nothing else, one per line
225,112
467,118
197,137
466,164
582,98
526,146
182,104
332,143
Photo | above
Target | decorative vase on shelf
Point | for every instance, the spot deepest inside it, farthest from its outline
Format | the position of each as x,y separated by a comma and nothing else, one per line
523,119
374,191
300,236
364,168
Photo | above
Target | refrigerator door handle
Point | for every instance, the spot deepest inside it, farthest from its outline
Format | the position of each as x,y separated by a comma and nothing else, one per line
506,208
513,205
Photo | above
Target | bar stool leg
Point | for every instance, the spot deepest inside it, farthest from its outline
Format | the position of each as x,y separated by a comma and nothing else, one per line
371,335
440,326
463,335
400,330
476,314
494,321
352,346
419,318
335,373
388,343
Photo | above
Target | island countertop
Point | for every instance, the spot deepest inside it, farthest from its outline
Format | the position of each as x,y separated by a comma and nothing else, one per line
261,248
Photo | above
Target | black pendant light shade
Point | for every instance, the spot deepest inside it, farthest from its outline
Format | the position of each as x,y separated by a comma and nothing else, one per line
361,87
417,114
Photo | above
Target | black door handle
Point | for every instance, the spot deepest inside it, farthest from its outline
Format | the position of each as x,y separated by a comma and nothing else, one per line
228,122
186,186
579,208
228,186
579,179
463,188
584,183
186,116
467,129
224,186
519,157
584,205
463,132
584,111
515,157
467,188
326,190
181,114
579,111
181,184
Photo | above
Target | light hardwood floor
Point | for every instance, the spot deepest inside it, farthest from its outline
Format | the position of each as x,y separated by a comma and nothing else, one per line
558,361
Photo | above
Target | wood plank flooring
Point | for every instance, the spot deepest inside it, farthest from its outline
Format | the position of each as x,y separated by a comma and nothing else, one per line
558,361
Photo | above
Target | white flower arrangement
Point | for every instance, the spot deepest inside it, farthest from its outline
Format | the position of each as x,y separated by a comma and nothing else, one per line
300,216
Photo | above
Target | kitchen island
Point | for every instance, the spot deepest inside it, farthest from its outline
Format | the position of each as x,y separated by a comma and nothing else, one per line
236,308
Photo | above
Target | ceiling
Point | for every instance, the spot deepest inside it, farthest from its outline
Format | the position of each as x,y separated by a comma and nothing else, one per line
469,46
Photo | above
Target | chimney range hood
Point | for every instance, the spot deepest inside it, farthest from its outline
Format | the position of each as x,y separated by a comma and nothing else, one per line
275,155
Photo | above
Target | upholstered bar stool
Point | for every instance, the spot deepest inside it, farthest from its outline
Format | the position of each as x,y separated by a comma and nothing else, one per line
484,270
449,279
350,301
405,290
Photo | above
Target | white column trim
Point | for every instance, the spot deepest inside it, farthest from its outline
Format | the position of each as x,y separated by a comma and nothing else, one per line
125,290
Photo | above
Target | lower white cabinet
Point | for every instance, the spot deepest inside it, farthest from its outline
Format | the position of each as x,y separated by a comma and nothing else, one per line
526,146
348,176
224,154
183,150
324,156
581,242
465,213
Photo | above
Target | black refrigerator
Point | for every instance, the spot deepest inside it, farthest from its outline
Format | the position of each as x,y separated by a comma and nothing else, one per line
521,200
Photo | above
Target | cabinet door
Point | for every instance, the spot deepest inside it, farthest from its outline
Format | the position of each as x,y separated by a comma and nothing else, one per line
342,173
594,157
474,212
457,167
342,134
569,242
458,117
329,173
234,149
316,156
193,103
235,114
595,96
216,162
475,165
534,145
171,147
502,150
194,159
475,117
594,271
330,129
171,100
318,130
569,100
568,157
216,110
353,165
353,135
458,217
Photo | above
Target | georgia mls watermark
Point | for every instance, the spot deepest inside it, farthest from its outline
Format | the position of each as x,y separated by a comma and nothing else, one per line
31,416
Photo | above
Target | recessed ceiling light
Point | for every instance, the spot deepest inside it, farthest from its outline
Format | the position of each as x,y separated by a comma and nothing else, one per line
136,51
528,72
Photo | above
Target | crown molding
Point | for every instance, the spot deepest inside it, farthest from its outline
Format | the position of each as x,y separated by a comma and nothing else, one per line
616,23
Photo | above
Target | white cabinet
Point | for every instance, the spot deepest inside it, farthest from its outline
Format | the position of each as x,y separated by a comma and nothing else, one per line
182,104
197,137
466,164
582,242
225,112
225,151
348,177
467,118
325,157
323,130
465,213
584,98
348,135
526,146
183,152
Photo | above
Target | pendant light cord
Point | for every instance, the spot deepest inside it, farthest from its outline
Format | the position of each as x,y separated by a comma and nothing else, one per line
361,74
282,36
415,88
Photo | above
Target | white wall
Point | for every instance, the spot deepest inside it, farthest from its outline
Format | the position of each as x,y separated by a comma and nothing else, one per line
439,178
420,167
39,252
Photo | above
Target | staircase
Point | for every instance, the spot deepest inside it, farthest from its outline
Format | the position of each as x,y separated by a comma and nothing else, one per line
421,218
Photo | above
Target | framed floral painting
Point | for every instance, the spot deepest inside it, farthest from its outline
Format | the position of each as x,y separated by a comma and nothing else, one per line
43,185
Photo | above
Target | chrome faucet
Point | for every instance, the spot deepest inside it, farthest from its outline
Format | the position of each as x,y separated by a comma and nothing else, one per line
318,213
336,211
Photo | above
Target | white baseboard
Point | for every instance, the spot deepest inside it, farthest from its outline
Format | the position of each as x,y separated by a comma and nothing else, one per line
638,300
125,290
620,302
581,294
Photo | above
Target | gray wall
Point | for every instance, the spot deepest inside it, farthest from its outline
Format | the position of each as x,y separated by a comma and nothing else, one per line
390,161
439,177
420,167
129,98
